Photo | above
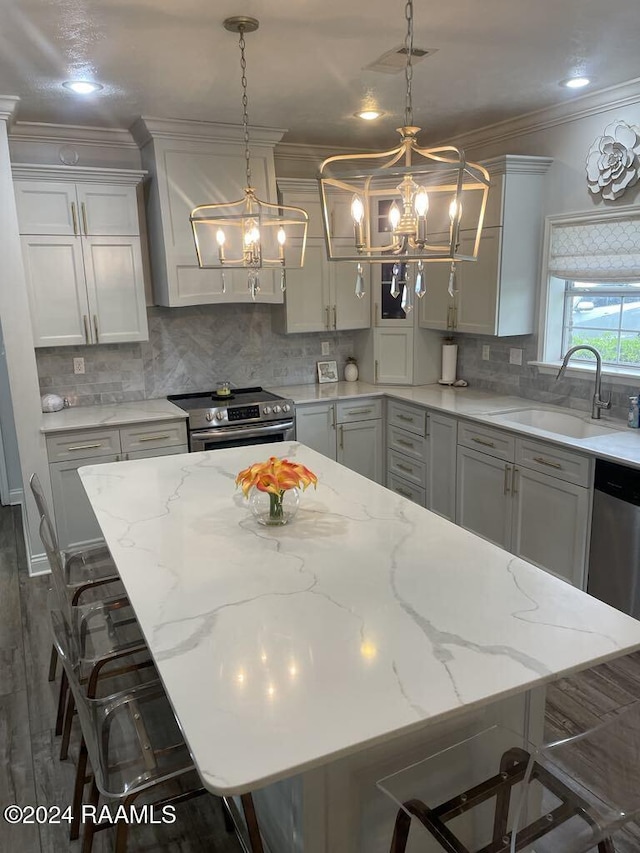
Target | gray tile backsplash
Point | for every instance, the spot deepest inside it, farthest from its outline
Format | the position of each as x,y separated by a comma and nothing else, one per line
190,349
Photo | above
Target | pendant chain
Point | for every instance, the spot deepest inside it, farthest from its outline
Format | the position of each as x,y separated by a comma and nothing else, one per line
245,102
408,71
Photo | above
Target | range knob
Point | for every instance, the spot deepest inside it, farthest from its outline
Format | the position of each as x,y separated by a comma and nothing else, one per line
266,410
286,408
209,416
276,409
219,416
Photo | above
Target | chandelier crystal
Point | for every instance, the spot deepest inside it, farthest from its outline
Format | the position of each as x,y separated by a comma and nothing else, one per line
248,233
408,205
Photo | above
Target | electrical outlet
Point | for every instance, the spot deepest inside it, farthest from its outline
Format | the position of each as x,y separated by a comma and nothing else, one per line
325,347
486,352
515,356
78,365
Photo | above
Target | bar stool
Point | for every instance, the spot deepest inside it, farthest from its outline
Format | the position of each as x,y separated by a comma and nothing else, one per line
565,797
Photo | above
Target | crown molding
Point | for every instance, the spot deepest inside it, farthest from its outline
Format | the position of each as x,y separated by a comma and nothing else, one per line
297,184
604,100
8,106
145,129
517,164
312,153
71,174
102,137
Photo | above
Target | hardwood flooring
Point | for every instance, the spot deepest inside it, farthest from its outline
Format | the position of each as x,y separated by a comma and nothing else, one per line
30,772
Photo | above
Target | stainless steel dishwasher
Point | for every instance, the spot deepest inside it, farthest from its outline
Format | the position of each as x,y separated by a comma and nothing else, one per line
614,556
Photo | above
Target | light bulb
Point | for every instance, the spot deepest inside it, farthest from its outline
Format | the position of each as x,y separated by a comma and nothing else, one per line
252,235
281,236
455,210
357,209
421,202
394,216
220,238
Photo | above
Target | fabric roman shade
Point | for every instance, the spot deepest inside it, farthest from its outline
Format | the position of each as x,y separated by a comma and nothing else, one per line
596,250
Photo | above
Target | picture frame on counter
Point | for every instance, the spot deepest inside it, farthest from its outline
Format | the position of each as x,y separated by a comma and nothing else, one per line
327,371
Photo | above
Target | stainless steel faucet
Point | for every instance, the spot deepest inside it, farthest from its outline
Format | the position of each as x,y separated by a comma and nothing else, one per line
598,403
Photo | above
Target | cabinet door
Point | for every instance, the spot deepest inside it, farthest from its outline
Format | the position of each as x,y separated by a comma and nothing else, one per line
550,524
360,448
157,451
476,308
57,291
108,210
393,355
307,298
47,207
483,501
441,470
347,310
436,306
115,288
75,521
316,427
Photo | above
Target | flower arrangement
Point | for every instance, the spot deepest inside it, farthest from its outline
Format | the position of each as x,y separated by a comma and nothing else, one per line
275,477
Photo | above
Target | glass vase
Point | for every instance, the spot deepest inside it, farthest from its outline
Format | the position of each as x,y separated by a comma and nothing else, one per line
274,510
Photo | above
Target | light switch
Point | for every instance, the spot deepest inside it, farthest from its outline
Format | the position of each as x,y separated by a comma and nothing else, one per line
515,355
325,347
486,352
78,365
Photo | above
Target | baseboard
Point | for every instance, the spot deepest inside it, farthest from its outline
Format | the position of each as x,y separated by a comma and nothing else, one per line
38,565
16,497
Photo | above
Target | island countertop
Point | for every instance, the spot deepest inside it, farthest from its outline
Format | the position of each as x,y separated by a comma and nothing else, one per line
365,618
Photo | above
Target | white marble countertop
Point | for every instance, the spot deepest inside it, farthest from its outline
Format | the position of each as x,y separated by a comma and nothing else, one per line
365,618
115,414
619,445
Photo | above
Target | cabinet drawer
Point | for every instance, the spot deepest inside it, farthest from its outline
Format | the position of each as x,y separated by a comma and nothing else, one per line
407,443
86,444
555,461
407,417
406,489
359,410
408,469
487,440
147,436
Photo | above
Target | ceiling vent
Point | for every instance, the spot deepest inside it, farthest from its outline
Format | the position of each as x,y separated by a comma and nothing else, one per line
394,61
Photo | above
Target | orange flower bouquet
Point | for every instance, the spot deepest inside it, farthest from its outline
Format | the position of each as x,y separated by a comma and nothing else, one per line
278,481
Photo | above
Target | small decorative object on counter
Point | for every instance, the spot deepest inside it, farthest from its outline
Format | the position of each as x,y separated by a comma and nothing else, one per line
351,370
223,389
272,488
633,419
52,403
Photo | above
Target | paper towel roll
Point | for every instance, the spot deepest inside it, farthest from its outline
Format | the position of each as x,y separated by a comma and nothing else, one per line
449,358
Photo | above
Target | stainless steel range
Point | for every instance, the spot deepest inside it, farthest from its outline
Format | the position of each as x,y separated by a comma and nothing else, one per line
245,416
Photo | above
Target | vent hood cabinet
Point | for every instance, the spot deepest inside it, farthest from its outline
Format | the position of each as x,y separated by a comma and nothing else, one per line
193,163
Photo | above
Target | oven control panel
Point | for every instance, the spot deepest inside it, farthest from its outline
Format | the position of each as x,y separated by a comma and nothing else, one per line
243,413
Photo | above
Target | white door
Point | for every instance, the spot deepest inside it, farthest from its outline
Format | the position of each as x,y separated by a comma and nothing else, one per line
360,448
316,427
483,499
550,524
47,207
476,308
348,310
115,287
306,297
108,210
393,354
441,470
57,291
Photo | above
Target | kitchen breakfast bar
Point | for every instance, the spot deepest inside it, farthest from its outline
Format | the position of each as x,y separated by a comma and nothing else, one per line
305,662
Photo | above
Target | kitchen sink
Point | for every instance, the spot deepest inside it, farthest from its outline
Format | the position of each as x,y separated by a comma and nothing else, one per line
550,420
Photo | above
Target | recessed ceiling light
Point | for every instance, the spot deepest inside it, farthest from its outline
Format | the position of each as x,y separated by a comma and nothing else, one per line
82,87
369,115
575,82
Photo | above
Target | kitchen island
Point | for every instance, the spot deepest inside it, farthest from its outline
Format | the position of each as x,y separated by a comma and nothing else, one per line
310,660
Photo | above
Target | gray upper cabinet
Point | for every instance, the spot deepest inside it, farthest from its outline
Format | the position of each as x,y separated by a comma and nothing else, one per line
195,163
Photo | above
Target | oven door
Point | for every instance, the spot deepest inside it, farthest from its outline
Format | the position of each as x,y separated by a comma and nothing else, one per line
241,436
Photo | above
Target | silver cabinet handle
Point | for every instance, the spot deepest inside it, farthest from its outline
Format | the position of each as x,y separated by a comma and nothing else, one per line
95,327
514,482
406,418
335,317
332,412
85,320
359,411
546,462
402,467
403,492
83,446
74,218
326,320
375,371
454,325
83,208
505,489
332,225
483,442
376,314
404,443
449,312
341,437
153,437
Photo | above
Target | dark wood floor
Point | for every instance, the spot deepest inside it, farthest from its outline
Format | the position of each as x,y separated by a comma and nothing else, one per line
30,772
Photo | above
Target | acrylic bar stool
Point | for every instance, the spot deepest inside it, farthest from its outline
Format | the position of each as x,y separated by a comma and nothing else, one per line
493,794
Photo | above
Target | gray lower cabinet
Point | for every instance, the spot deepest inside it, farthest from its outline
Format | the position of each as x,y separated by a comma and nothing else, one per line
407,451
75,521
441,467
316,427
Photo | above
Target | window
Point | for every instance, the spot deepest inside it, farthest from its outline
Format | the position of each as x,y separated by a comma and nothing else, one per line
593,288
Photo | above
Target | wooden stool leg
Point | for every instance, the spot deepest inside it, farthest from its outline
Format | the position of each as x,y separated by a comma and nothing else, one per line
255,841
606,846
53,664
89,826
81,778
62,701
66,731
400,832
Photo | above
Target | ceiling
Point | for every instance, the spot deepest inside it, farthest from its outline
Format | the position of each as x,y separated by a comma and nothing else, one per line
306,64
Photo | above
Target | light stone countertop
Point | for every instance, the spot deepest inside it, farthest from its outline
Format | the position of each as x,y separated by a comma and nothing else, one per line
365,618
115,414
620,445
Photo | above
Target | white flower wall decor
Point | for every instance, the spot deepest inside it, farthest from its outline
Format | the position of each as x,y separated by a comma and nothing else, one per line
613,163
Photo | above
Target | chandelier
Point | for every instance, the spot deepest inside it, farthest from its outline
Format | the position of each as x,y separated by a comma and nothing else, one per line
248,233
406,206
